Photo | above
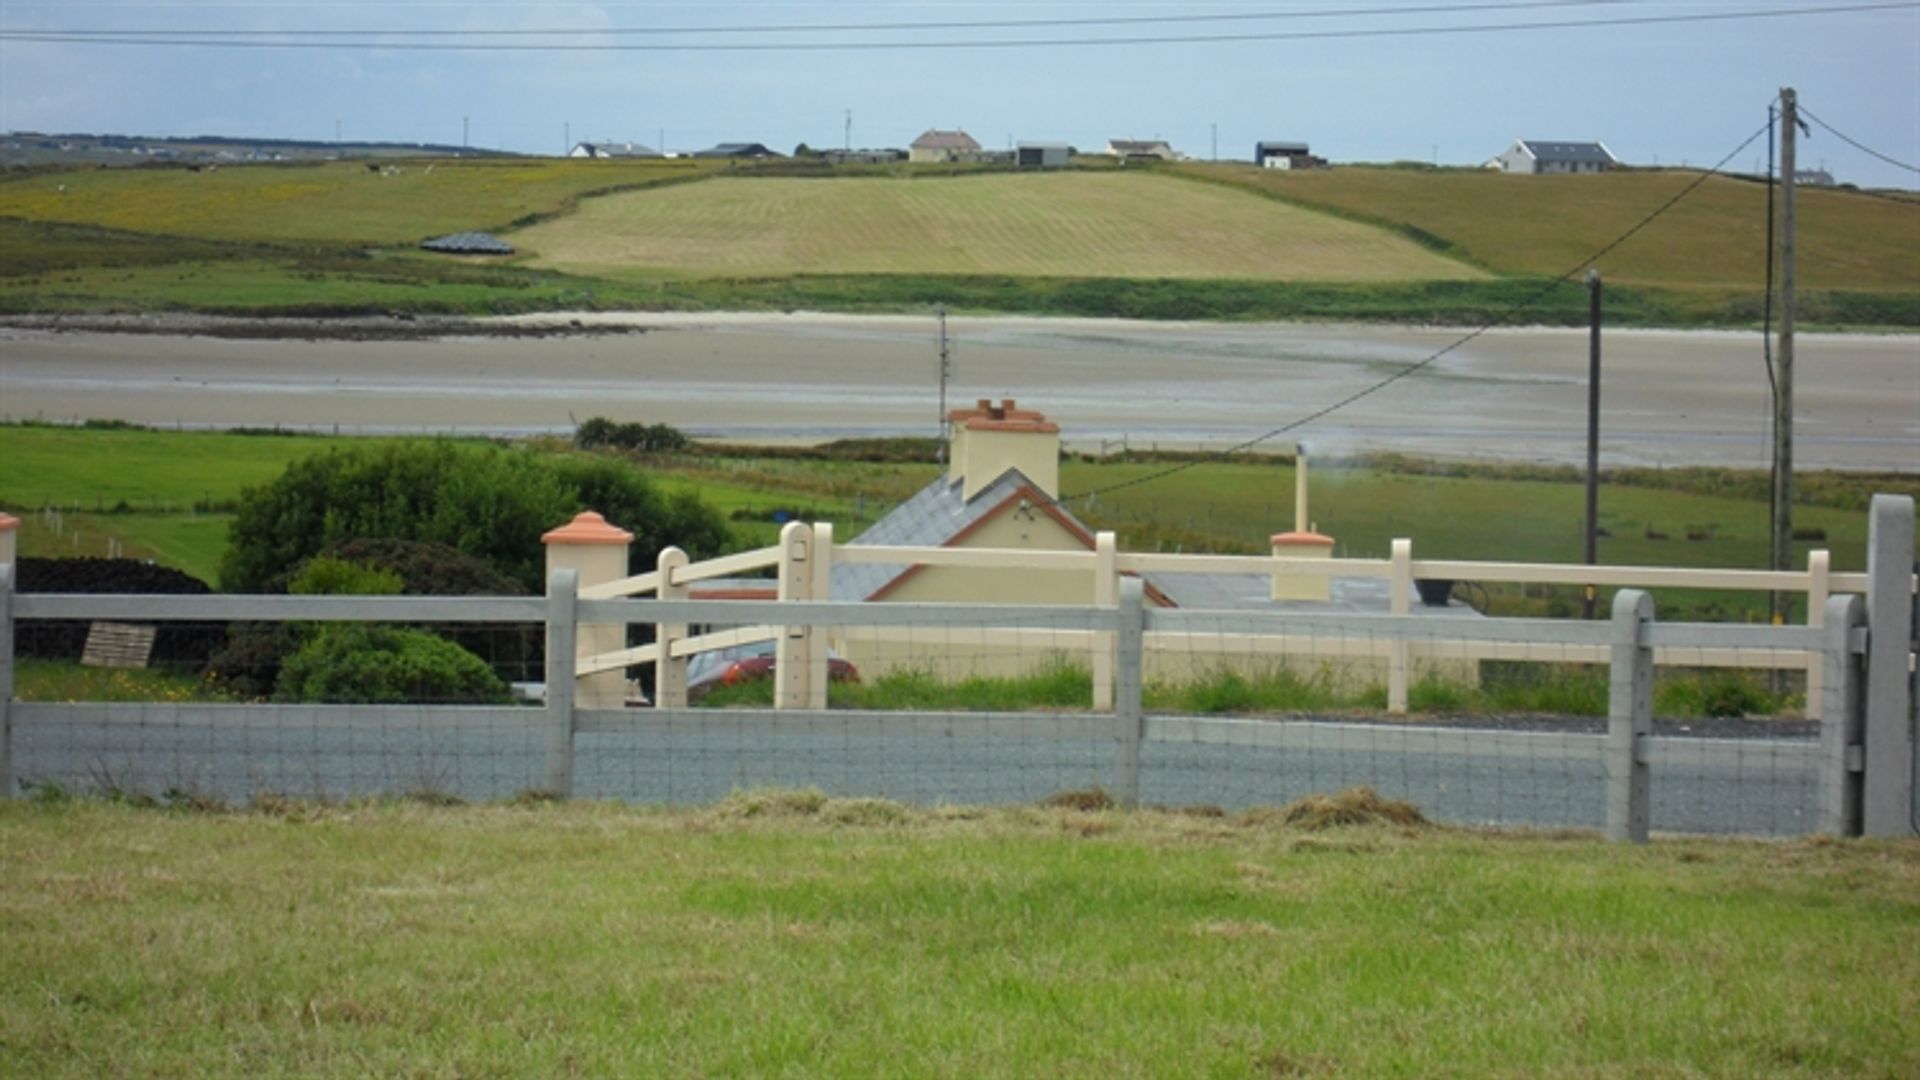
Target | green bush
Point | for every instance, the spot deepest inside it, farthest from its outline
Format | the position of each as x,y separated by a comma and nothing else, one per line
384,665
645,438
486,501
324,575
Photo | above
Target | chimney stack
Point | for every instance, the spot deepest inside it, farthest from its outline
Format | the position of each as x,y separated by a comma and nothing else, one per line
989,439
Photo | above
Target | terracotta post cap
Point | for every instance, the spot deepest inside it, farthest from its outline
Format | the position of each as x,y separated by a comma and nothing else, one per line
1301,539
8,522
587,527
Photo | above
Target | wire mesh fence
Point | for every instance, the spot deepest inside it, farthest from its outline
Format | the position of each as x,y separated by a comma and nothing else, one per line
1508,722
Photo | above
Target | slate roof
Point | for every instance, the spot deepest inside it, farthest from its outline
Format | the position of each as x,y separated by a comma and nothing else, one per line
935,139
1578,153
737,150
1138,146
1280,147
469,243
621,149
934,515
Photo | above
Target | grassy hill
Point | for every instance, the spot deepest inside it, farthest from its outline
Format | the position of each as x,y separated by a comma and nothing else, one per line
1063,224
1191,242
1715,238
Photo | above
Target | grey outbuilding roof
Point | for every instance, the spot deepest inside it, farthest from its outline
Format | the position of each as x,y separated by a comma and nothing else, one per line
469,243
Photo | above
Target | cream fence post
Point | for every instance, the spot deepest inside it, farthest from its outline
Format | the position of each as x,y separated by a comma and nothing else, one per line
1106,593
792,652
1401,584
1819,582
597,553
670,671
818,671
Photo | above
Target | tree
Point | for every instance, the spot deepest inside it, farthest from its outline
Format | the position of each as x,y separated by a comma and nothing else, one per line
488,501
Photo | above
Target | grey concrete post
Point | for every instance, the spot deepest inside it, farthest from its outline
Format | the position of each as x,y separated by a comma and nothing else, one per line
6,680
1629,718
1841,719
1129,716
563,591
1887,799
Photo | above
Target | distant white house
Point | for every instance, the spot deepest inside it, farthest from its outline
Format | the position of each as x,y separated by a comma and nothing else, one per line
1538,156
1141,148
613,150
935,145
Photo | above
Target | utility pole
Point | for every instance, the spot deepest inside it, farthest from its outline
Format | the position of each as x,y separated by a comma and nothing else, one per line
1593,428
1783,377
946,370
846,142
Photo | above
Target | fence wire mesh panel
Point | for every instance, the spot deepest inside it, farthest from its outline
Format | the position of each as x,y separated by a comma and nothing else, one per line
698,756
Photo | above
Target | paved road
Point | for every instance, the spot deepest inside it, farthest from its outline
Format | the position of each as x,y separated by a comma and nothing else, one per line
1762,789
1668,397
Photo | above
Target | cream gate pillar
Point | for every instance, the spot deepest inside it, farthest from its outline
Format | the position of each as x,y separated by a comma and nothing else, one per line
597,551
9,538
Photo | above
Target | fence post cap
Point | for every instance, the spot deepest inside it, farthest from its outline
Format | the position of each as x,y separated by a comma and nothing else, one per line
1301,539
587,527
8,522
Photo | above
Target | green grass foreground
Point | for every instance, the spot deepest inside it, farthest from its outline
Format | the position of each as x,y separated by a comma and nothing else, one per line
786,934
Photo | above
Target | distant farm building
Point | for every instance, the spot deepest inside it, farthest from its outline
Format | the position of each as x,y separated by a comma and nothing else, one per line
1286,155
613,150
1533,156
935,145
1813,178
732,150
1141,150
1042,155
862,157
468,243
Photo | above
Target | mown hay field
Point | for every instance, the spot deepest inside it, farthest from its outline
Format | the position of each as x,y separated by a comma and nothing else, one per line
1713,238
1069,224
340,202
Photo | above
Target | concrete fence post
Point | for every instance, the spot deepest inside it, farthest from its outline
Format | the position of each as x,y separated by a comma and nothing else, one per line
670,671
563,591
1106,585
1841,717
792,659
1819,588
597,553
1629,718
1400,601
6,679
1129,713
1887,798
821,588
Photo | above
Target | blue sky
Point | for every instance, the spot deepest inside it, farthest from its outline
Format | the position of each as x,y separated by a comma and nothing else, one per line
1665,94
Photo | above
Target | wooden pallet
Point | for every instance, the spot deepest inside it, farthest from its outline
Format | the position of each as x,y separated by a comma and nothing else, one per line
118,645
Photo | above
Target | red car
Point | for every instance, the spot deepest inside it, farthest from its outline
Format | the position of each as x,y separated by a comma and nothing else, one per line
744,663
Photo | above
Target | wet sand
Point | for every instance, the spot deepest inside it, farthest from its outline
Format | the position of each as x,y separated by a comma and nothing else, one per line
1668,397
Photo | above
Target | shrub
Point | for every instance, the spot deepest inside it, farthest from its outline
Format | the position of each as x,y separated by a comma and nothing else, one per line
385,665
325,575
645,438
486,501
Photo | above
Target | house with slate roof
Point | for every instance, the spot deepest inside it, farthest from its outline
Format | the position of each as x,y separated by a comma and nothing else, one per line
935,145
1536,156
1141,149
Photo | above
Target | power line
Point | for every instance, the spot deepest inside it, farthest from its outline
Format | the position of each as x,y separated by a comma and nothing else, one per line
1843,137
1410,369
815,28
186,40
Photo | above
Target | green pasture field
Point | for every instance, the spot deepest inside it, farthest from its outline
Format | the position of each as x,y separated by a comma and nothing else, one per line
336,203
1063,224
1714,239
178,489
1354,243
789,934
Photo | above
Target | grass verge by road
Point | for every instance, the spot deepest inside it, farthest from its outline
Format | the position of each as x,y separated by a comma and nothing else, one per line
786,934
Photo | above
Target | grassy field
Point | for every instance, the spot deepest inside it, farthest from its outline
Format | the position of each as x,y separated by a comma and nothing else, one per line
169,495
1545,225
1069,224
1360,243
338,203
785,934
